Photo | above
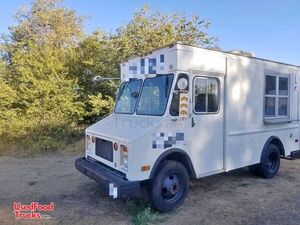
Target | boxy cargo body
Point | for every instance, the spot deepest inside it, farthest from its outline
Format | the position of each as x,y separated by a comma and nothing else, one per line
211,111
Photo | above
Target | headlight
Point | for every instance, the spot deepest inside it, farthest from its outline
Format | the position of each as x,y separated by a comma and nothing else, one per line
88,143
124,157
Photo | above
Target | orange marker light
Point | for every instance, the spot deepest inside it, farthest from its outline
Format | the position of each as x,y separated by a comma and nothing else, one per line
124,148
145,168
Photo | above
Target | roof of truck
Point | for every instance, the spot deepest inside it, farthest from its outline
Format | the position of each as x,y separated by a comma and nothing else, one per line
209,49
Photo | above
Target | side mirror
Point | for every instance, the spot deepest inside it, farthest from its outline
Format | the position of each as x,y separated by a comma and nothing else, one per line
97,79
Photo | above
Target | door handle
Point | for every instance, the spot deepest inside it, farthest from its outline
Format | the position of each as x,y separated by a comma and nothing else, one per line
193,122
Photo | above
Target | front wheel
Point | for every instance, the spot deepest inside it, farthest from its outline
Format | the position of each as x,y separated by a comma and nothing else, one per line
169,188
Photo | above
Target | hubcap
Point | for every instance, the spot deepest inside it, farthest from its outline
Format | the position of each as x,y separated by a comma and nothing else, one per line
171,188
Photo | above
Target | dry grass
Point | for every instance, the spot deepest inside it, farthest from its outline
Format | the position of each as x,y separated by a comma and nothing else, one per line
9,149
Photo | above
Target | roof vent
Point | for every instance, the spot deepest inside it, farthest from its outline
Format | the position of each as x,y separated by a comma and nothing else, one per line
242,53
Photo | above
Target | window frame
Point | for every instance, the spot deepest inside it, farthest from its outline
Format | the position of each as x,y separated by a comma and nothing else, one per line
194,96
277,118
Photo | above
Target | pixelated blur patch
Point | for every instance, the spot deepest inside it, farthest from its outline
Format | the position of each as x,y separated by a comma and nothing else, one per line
167,140
152,66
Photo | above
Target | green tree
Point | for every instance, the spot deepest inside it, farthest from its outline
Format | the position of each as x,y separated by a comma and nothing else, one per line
95,55
36,52
7,98
149,29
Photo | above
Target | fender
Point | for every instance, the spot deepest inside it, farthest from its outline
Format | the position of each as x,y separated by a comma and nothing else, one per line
170,154
277,142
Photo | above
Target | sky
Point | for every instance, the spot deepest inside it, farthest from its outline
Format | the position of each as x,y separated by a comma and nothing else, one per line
269,28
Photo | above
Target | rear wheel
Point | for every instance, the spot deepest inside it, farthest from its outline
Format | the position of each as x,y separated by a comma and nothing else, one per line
270,162
169,188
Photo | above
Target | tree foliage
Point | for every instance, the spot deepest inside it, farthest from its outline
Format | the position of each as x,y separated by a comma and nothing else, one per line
149,29
8,97
48,63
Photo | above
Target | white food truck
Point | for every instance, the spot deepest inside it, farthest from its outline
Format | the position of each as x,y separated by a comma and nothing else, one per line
186,112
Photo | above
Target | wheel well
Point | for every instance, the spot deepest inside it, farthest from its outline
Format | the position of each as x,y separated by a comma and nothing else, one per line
276,141
176,155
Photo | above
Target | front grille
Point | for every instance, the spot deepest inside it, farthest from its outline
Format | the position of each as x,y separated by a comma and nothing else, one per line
104,149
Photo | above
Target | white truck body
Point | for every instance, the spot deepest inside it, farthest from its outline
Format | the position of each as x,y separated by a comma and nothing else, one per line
225,133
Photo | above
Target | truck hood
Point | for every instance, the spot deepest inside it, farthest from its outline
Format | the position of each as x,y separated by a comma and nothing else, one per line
125,128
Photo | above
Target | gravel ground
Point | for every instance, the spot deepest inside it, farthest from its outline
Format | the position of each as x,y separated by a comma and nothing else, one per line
236,197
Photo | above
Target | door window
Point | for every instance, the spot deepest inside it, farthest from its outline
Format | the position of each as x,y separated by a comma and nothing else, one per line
206,95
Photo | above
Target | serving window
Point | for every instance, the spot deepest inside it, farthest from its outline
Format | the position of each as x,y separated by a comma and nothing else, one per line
276,102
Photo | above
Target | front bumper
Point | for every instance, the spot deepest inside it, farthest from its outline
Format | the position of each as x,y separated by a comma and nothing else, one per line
110,180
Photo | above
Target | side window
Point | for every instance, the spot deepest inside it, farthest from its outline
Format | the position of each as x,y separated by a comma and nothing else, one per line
174,108
276,96
206,95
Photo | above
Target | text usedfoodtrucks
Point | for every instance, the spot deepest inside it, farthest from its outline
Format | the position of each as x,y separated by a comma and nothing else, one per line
185,112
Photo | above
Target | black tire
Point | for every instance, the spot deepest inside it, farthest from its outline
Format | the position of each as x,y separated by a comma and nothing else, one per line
169,187
270,162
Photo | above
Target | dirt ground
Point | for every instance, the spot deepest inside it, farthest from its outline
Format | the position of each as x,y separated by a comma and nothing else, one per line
232,198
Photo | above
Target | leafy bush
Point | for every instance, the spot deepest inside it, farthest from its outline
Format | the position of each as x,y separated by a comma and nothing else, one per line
40,105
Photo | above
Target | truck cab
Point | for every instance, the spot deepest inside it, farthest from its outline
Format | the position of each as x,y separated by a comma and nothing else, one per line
169,124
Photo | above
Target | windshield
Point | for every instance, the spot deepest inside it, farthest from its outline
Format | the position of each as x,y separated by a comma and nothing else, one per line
127,97
154,95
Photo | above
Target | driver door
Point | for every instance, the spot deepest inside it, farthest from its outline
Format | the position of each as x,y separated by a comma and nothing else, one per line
206,132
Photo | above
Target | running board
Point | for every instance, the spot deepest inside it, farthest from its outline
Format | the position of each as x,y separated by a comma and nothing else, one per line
294,155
